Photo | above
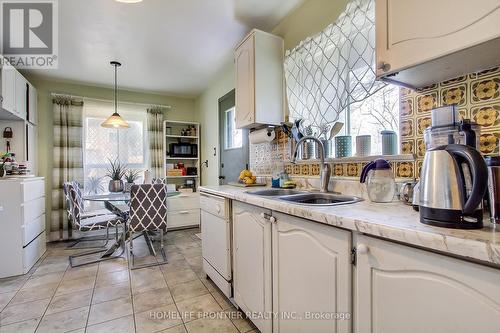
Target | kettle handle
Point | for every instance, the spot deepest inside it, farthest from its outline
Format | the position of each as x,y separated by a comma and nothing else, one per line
365,170
479,172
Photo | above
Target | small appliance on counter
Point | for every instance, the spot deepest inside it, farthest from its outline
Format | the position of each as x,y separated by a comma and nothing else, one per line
444,198
493,164
379,179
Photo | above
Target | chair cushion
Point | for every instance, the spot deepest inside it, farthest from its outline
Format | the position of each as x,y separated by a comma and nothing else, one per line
91,213
99,222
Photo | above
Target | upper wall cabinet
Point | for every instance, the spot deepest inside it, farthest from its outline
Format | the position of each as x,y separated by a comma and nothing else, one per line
21,96
259,80
423,42
8,81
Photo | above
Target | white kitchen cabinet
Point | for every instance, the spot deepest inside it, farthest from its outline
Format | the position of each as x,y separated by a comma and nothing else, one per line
259,80
252,263
183,210
21,96
311,276
8,97
402,289
32,115
22,219
417,45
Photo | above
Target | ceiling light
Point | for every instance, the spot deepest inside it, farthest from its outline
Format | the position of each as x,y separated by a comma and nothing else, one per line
115,120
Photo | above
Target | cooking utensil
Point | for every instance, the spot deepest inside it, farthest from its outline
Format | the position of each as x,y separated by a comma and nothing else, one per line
336,128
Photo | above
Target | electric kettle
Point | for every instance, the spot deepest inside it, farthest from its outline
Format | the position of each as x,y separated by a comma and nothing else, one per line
445,198
379,179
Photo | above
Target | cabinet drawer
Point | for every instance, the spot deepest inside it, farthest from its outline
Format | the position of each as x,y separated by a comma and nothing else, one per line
32,190
33,252
33,228
33,209
183,218
215,205
183,202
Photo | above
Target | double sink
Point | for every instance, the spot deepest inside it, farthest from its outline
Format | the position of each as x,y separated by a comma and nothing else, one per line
307,198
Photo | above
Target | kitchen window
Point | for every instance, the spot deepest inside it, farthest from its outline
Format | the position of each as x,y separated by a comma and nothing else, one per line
128,146
233,137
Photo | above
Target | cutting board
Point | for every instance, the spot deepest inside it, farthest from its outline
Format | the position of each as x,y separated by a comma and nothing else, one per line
246,185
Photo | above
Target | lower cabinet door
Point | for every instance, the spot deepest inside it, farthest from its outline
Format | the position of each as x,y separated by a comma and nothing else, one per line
311,276
403,289
252,263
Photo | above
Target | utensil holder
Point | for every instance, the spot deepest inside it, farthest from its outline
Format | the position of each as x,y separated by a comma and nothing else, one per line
363,145
343,146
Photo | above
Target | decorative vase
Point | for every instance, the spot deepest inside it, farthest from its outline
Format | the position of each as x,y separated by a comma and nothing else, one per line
128,186
115,186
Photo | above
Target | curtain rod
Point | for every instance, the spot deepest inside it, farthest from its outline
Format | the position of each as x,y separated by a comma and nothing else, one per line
110,100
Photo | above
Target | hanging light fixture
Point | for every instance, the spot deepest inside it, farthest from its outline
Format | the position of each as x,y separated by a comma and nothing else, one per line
115,120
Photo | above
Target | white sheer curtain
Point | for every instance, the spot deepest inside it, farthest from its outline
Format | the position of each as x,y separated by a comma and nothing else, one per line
129,146
326,73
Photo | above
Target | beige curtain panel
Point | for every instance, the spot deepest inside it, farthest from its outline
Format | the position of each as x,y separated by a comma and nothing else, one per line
67,158
155,134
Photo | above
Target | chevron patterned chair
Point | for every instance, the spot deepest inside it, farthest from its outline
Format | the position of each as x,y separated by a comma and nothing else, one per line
90,223
148,214
84,214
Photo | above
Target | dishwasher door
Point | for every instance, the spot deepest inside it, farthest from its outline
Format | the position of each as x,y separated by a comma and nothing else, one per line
216,243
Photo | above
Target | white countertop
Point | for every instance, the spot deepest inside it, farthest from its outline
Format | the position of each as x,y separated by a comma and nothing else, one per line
394,221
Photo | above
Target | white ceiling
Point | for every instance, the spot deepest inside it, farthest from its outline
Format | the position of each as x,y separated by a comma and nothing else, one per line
167,46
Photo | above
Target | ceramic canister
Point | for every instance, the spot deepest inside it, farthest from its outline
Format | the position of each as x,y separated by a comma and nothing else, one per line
328,145
389,143
343,146
363,145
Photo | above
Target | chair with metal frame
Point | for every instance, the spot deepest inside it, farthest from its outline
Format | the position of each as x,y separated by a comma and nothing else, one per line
148,213
84,214
89,224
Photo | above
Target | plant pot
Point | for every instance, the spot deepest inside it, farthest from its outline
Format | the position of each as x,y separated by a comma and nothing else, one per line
128,186
115,186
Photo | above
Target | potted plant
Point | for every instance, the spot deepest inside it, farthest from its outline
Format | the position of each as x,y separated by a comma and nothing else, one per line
116,171
130,177
94,185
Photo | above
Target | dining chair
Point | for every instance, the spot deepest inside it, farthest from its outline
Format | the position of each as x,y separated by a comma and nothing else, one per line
148,214
159,181
91,223
84,214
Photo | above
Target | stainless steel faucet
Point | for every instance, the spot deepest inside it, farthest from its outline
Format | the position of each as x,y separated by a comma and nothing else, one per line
325,168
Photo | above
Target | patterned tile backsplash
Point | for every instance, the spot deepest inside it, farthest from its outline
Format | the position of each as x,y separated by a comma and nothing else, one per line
477,96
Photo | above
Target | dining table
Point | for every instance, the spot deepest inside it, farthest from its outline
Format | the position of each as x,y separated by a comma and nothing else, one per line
118,203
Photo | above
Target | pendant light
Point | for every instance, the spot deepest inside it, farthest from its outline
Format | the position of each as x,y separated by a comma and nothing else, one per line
115,120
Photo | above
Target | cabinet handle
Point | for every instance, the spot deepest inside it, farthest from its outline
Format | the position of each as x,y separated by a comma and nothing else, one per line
362,249
383,66
268,217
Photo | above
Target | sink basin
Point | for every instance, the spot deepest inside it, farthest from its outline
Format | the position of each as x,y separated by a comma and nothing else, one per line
275,192
321,199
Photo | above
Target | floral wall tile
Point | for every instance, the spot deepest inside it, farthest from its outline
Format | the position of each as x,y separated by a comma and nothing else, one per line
487,116
485,90
454,95
427,102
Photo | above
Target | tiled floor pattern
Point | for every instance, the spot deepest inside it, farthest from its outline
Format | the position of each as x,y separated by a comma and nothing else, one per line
108,297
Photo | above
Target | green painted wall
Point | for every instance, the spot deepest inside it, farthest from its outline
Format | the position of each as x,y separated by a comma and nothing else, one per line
307,20
182,109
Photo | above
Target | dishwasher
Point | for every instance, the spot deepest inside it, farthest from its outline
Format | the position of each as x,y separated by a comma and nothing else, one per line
216,240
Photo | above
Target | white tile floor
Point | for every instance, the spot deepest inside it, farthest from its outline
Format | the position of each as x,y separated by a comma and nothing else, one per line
107,297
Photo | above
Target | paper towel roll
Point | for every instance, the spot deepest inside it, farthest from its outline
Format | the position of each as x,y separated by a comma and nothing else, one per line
262,136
